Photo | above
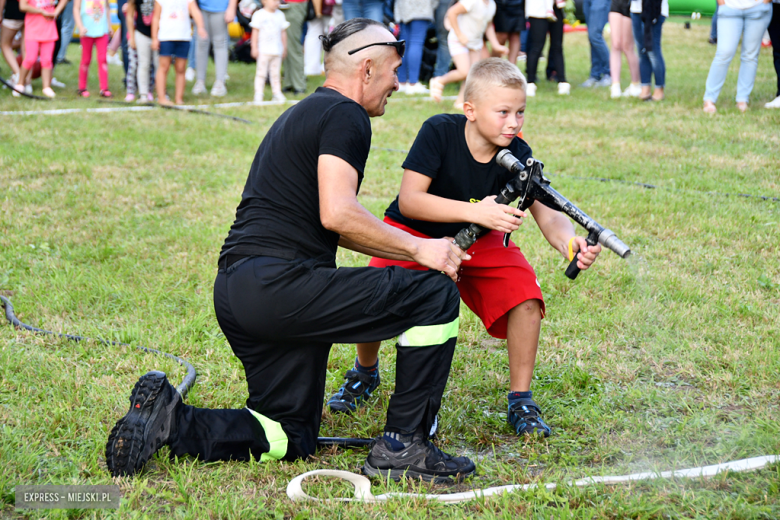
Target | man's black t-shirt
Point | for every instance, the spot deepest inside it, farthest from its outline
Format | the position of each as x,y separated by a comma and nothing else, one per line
441,153
279,213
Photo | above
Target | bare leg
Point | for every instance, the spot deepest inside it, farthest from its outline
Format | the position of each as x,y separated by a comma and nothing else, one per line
6,40
462,65
514,48
502,38
162,78
46,75
628,49
180,67
368,353
522,342
615,58
658,94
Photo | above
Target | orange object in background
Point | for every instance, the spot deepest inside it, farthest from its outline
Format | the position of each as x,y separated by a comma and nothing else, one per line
36,70
520,134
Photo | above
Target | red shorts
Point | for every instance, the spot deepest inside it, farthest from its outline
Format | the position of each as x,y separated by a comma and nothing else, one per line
494,281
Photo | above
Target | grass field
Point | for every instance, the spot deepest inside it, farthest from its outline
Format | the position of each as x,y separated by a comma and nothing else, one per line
111,223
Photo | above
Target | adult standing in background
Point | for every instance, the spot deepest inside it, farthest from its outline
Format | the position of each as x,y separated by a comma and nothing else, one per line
596,16
622,43
414,16
371,9
294,78
68,23
541,23
774,35
217,14
509,22
11,22
647,34
714,26
327,16
745,19
443,58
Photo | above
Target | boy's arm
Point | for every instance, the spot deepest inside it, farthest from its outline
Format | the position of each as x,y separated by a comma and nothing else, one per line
156,26
558,230
452,17
130,21
198,17
255,36
415,202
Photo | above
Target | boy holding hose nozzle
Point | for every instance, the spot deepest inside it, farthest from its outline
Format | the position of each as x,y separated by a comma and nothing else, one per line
451,178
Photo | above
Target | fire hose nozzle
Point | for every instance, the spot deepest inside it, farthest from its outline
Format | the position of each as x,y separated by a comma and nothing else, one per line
608,239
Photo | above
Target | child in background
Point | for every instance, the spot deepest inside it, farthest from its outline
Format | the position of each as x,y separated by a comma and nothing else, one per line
451,177
40,34
269,48
470,21
171,36
139,37
93,24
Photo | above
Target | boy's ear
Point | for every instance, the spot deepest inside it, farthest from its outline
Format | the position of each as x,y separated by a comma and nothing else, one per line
469,111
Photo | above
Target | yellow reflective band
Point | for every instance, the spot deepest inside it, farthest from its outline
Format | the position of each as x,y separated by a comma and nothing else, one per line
429,335
274,434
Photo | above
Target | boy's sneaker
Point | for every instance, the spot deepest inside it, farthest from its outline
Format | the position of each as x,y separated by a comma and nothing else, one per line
524,416
530,90
218,90
421,459
357,388
199,88
147,426
564,89
189,74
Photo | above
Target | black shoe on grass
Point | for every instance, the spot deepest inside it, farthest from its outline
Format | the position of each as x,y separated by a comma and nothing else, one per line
420,460
146,427
356,389
524,416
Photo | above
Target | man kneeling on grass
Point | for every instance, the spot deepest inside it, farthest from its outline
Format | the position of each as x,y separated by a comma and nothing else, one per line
451,177
281,302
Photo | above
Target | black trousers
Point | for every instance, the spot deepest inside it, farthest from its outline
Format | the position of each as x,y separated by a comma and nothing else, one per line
774,35
537,35
281,317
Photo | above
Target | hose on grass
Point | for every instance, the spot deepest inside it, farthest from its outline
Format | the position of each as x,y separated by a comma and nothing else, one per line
189,379
362,492
182,109
22,92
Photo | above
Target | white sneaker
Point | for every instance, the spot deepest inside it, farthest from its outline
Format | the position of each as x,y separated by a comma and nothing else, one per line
402,88
28,89
632,90
564,89
19,88
416,88
189,75
775,103
218,89
114,60
57,83
49,93
278,98
227,77
199,88
615,91
258,99
530,90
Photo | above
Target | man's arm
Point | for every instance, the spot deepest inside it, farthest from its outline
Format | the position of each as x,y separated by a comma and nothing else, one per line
341,213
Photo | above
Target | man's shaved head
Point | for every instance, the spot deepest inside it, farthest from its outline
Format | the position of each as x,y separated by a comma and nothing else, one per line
350,35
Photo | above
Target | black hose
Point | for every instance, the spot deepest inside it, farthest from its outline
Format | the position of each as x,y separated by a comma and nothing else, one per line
22,92
184,386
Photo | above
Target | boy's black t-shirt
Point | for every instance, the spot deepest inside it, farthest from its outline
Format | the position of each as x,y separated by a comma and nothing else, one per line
279,213
441,153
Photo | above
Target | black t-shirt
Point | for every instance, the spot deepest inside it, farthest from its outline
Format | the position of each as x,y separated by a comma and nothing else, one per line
12,11
279,213
441,153
143,16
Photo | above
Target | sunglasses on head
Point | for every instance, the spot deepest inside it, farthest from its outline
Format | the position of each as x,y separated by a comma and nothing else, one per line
400,47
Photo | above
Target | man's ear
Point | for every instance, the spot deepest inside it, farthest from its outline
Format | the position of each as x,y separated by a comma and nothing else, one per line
368,70
469,111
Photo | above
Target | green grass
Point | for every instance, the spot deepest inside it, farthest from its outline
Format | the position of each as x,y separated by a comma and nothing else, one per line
110,226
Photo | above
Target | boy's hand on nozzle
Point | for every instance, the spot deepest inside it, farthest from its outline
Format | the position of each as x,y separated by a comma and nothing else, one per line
441,254
586,254
500,217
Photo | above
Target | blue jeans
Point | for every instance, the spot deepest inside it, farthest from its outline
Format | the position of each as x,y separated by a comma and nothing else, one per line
414,34
651,62
443,57
714,26
123,26
372,9
749,24
66,34
596,16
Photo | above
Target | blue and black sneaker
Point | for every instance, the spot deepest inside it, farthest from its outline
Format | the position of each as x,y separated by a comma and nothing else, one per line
524,416
357,388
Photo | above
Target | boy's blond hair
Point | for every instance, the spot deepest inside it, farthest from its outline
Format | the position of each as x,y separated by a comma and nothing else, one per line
490,73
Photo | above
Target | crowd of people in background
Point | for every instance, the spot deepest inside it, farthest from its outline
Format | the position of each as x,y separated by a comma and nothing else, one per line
155,34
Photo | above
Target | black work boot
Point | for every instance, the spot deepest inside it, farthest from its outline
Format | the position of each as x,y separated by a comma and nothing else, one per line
146,427
418,459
